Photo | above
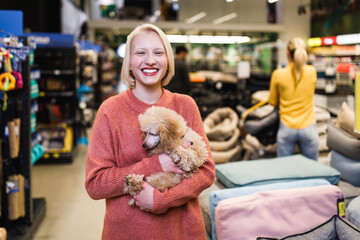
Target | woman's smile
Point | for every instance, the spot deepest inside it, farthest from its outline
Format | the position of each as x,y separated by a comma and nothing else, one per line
150,71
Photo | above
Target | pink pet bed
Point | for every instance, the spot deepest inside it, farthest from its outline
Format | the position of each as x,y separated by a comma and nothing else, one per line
276,213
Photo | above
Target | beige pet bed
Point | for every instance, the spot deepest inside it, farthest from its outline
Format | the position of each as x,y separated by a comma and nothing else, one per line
221,127
220,124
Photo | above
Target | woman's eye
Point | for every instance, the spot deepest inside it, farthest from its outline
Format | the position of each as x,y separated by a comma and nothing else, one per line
140,53
159,53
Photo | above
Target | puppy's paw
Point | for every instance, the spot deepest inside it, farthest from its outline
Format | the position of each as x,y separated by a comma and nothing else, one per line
133,183
176,158
131,202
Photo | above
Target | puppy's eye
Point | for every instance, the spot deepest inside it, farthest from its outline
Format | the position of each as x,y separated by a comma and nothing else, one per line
152,134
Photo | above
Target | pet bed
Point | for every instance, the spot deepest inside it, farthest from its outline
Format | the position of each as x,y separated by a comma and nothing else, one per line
343,142
346,120
228,155
349,168
276,213
221,123
264,171
226,144
334,229
264,129
216,196
354,211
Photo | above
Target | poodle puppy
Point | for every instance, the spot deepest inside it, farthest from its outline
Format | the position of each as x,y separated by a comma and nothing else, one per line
165,131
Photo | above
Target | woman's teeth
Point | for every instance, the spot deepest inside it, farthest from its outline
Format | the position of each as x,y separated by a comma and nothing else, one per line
149,70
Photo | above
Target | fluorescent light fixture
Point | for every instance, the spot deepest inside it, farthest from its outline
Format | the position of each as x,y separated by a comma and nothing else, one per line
195,18
208,39
225,18
229,0
272,1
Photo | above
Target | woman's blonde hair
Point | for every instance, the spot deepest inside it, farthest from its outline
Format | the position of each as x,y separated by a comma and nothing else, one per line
126,75
298,54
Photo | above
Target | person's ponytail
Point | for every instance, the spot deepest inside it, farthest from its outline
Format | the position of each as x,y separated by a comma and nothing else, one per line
299,56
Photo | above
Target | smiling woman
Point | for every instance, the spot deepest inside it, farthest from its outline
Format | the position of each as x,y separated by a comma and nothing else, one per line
115,150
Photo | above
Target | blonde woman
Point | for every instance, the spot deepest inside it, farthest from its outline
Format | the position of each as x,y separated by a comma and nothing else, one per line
292,89
115,149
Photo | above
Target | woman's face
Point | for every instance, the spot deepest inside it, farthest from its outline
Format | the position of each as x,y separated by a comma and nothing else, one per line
148,59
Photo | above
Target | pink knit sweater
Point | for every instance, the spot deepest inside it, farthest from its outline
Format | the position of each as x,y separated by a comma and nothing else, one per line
115,150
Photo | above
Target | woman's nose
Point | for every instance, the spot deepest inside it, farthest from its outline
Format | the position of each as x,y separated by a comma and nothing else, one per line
150,59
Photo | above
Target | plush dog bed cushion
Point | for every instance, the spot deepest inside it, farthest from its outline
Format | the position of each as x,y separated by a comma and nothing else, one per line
334,229
343,142
346,120
276,213
226,144
255,126
221,123
354,211
218,195
264,171
349,168
233,154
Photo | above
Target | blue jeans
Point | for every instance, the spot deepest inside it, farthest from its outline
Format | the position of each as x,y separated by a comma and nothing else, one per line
307,138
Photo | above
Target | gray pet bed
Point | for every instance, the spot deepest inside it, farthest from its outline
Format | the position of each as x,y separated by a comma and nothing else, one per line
354,211
343,142
334,229
349,168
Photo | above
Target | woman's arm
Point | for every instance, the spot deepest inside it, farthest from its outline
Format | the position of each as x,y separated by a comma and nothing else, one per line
274,91
104,179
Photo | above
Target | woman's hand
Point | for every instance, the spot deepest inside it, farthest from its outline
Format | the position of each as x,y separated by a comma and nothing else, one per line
168,165
144,199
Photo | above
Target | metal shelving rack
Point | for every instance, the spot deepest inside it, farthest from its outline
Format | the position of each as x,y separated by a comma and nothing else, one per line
24,227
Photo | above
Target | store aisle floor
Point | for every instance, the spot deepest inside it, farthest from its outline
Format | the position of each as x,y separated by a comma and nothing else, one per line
70,212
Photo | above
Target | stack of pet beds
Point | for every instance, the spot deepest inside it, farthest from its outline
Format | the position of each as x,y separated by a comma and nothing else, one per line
221,128
259,127
345,145
322,117
262,191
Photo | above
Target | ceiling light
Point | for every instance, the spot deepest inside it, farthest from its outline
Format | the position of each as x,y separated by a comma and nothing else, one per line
229,0
225,18
272,1
195,18
208,39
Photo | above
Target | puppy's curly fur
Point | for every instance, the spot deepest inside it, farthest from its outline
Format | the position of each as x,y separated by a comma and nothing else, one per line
165,131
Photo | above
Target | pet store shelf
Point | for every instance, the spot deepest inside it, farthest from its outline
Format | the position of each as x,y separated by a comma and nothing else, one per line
51,158
25,231
58,72
57,94
58,102
15,167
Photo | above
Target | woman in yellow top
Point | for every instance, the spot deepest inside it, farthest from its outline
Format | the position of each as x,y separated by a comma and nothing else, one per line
292,88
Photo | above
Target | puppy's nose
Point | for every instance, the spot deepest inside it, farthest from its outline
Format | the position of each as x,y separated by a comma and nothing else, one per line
144,145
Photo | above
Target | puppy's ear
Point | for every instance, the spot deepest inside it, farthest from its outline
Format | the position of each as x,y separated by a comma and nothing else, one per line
169,134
